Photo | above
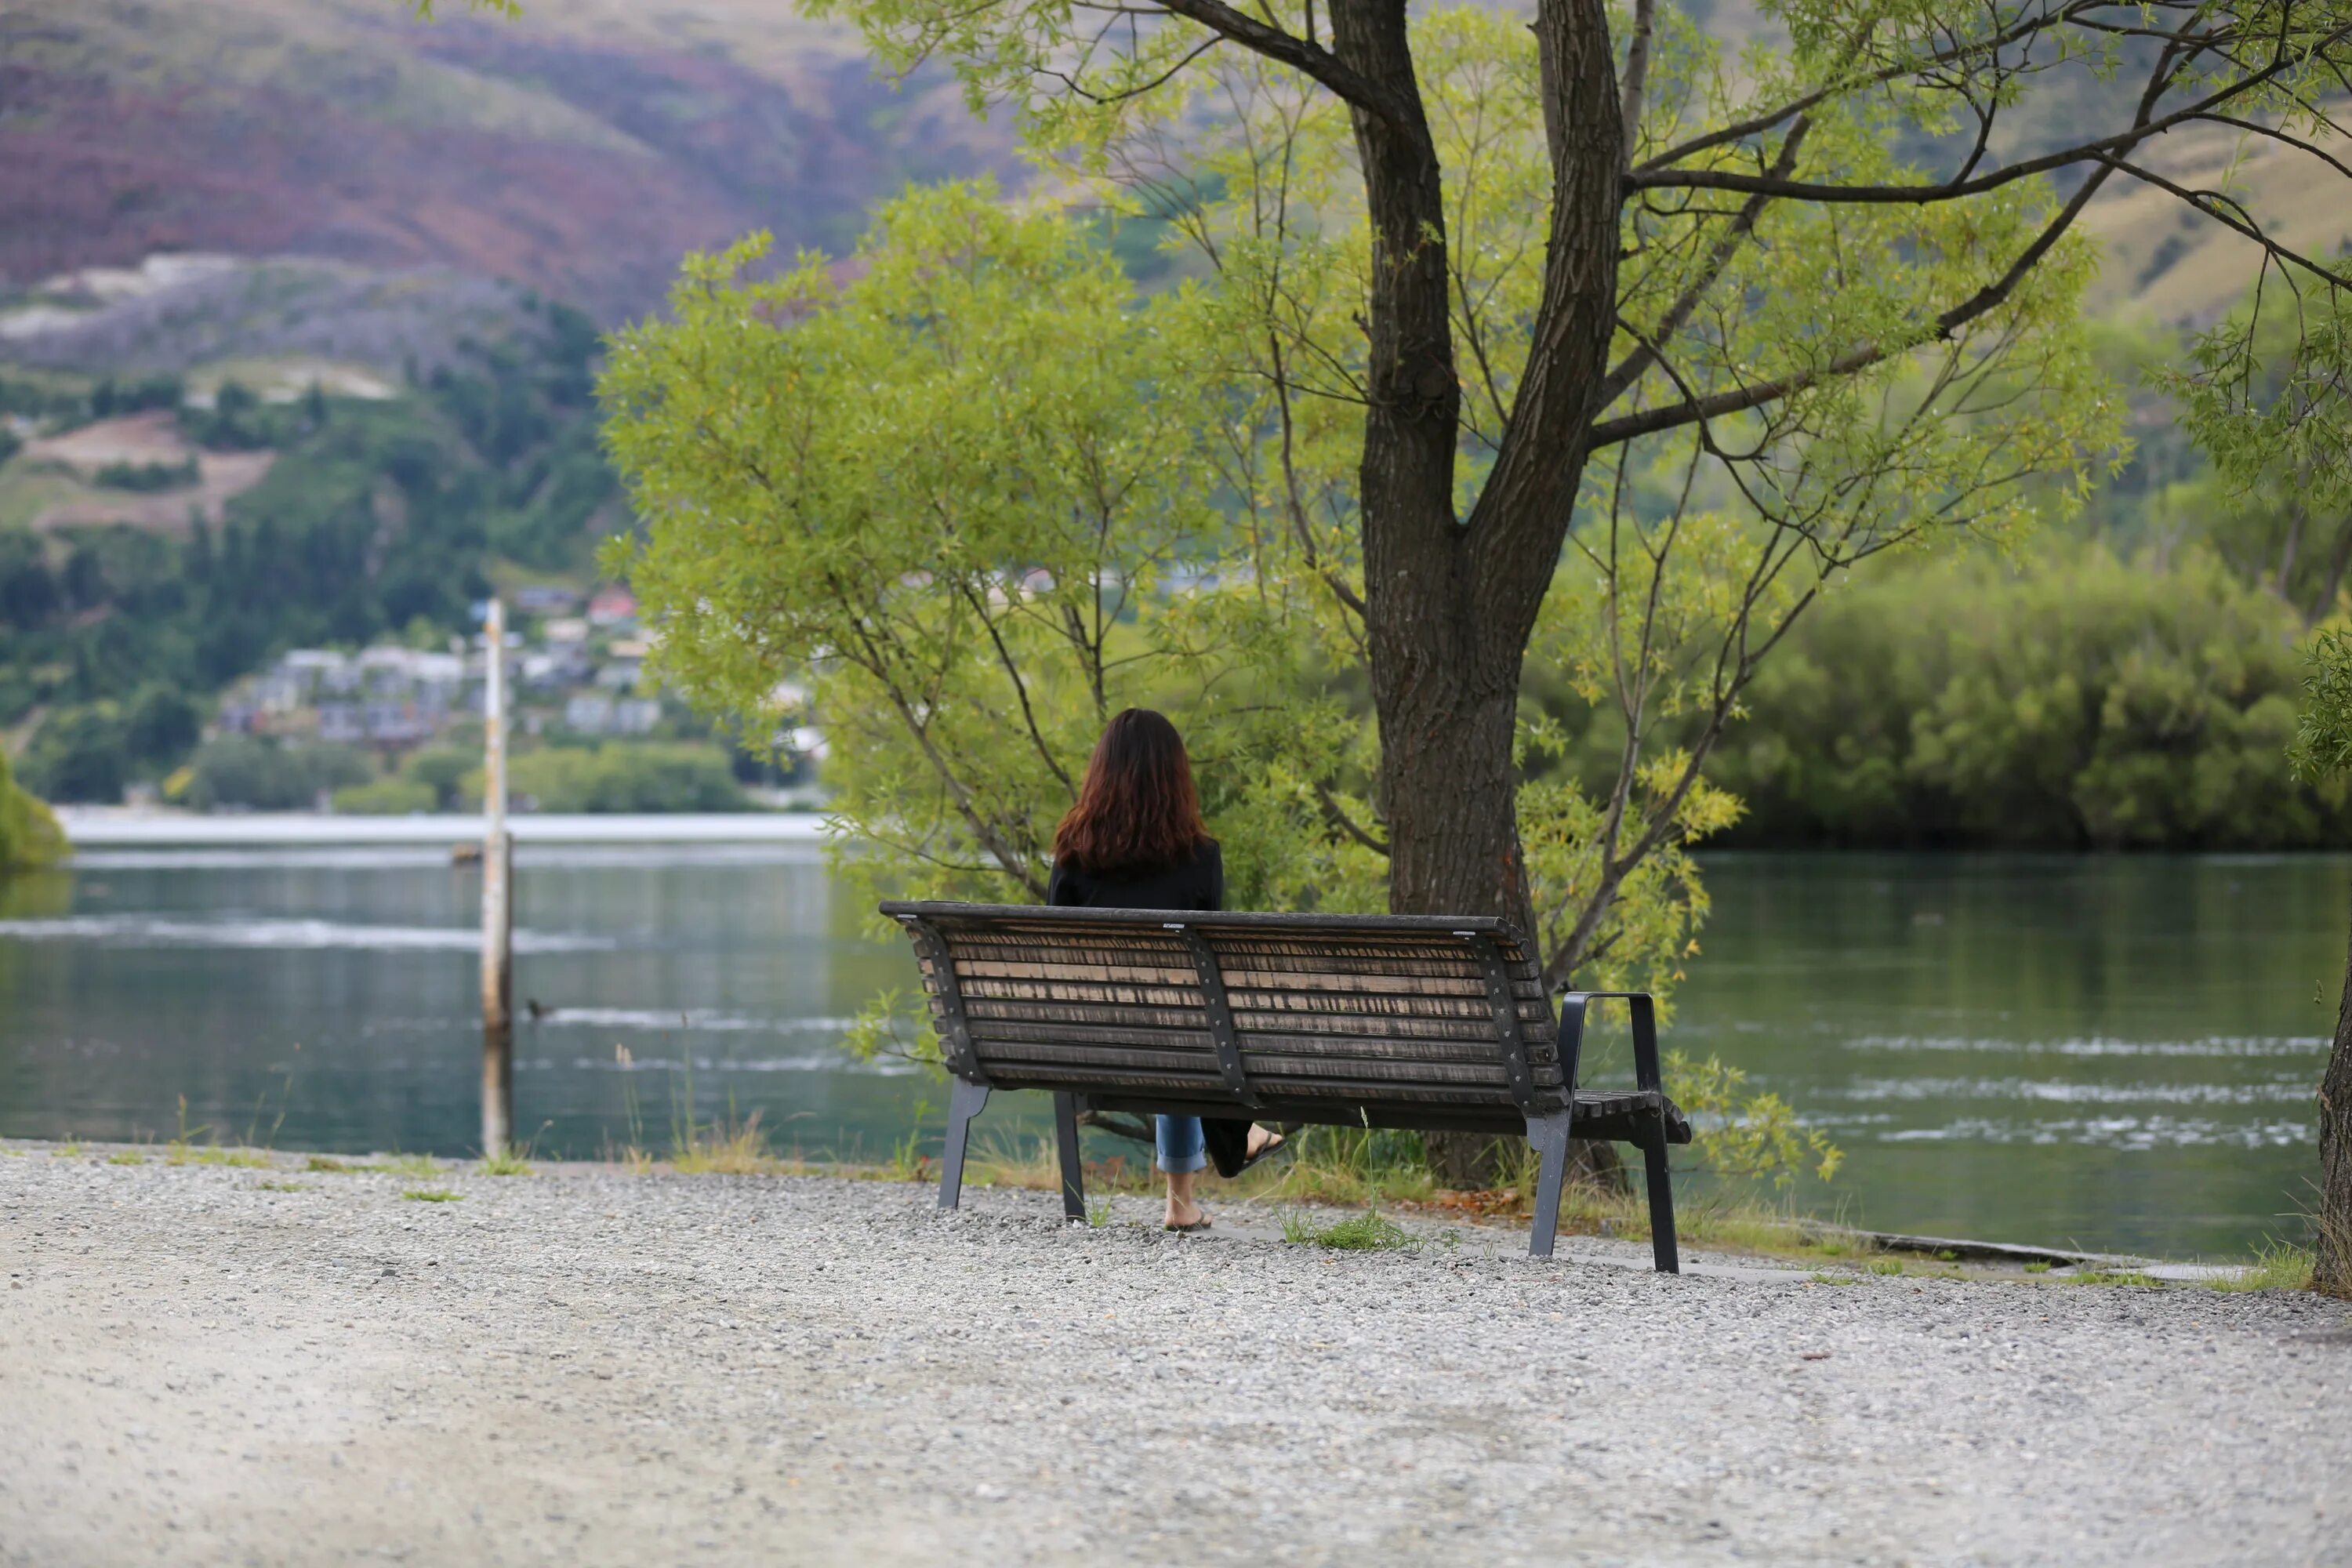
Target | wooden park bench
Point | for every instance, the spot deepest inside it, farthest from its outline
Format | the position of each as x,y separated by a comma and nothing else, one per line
1412,1021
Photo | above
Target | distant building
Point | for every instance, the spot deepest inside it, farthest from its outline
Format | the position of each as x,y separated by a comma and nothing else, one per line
612,606
341,722
540,599
590,714
393,724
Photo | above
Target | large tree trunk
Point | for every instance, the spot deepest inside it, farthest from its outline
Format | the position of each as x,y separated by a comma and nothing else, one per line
1449,603
2334,1272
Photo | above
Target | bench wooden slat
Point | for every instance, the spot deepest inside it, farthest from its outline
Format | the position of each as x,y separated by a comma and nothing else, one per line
1110,1015
999,1056
1016,1031
1472,1005
1117,1064
1095,973
1308,1025
1081,991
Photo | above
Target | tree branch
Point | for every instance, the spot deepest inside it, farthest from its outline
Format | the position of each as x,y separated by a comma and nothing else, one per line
1739,399
1637,74
1297,53
1631,368
1344,823
2101,150
1755,124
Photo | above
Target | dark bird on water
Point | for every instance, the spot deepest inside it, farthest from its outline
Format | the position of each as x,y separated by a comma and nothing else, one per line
536,1008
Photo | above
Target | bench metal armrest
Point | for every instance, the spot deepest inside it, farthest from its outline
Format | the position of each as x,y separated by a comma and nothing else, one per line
1646,1071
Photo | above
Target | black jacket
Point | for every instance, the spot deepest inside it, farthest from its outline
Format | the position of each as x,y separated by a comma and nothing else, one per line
1195,884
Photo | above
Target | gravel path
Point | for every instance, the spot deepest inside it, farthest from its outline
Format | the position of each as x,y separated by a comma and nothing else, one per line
590,1368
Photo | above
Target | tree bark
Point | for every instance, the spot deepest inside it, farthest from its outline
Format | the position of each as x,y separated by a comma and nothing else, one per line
2332,1272
1450,604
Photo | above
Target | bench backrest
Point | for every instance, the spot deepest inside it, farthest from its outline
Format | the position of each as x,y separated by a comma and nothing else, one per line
1242,1009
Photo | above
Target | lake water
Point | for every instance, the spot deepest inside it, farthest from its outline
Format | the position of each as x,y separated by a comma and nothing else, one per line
2117,1053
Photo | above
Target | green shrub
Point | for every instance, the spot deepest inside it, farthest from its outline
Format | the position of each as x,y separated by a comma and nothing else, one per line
79,754
147,477
160,726
1753,1137
385,797
2081,701
257,773
644,777
29,835
442,770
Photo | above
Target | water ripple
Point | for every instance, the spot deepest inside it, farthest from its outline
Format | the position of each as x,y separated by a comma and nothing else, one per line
2278,1091
697,1019
2125,1132
2101,1046
157,931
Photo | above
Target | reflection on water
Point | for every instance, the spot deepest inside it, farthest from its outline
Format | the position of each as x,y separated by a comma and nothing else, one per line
2118,1052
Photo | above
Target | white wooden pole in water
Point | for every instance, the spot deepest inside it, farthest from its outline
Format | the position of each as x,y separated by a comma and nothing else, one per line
498,901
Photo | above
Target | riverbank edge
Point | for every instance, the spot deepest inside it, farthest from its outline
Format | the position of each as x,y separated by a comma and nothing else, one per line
1837,1254
119,827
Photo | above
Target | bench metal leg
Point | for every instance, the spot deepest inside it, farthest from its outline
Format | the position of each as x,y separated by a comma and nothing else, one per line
1663,1248
964,1102
1548,1135
1074,1175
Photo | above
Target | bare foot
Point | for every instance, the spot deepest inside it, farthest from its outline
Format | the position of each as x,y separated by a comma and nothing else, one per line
1262,1140
1183,1212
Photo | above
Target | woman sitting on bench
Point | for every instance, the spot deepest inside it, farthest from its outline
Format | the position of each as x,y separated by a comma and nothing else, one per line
1135,841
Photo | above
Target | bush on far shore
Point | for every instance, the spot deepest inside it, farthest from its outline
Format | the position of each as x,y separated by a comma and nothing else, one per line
29,835
619,777
387,797
2073,700
254,772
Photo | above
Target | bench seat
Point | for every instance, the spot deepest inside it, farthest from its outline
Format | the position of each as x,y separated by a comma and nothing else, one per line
1434,1023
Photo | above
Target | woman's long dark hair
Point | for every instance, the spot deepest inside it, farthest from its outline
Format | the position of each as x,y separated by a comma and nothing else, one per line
1138,811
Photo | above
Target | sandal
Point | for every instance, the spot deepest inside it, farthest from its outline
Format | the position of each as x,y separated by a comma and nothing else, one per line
1194,1228
1275,1142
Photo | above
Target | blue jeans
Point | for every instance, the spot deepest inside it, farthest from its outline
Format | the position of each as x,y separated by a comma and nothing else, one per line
1181,1147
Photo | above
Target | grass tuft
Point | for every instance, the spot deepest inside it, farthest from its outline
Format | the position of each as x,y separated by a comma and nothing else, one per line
126,1157
280,1186
506,1163
1887,1266
2040,1268
326,1164
1367,1232
412,1165
2110,1277
722,1147
2276,1266
432,1195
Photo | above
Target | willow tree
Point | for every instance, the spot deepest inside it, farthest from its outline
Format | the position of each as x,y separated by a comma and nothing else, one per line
1724,250
1585,341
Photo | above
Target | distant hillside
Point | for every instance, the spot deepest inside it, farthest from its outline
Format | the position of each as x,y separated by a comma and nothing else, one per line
180,313
580,150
